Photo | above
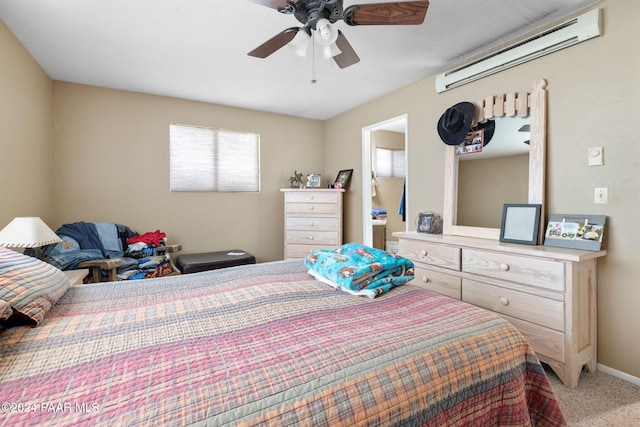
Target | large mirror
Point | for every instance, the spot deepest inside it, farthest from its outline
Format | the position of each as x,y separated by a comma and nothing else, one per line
478,185
495,175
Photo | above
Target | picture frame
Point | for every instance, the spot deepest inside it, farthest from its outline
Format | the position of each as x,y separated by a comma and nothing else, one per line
520,223
343,178
575,231
313,180
473,143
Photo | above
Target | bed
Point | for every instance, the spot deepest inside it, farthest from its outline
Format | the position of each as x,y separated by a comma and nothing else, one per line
266,344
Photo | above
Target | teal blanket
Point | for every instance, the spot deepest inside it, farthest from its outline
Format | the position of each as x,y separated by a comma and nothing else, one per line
359,269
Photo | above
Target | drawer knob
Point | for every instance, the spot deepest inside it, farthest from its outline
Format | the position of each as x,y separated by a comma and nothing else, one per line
423,253
311,224
504,301
311,208
313,197
504,267
310,237
425,279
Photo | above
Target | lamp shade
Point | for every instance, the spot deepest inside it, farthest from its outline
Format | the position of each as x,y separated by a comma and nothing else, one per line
27,232
300,43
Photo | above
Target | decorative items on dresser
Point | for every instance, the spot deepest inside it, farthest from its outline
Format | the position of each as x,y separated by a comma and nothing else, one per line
549,294
312,220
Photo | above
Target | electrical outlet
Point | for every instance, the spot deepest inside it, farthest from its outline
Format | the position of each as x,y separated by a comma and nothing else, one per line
601,196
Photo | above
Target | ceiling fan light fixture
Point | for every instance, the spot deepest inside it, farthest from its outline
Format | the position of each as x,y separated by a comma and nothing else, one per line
329,52
326,34
335,50
300,43
326,52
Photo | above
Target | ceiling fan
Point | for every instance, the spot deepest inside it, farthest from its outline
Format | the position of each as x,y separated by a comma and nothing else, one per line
318,16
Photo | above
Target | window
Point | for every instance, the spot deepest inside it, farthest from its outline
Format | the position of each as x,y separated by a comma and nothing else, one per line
205,159
390,162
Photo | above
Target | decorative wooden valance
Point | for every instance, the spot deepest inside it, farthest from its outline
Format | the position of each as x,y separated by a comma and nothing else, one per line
505,105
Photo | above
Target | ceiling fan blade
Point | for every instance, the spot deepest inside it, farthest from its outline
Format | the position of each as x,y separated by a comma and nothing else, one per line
347,55
396,13
274,43
274,4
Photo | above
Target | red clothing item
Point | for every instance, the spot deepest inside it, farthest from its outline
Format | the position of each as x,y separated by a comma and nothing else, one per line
150,238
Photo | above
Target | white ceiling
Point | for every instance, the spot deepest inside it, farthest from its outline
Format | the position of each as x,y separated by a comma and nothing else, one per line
197,49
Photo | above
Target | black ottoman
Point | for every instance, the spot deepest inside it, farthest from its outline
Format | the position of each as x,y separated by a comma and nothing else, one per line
194,263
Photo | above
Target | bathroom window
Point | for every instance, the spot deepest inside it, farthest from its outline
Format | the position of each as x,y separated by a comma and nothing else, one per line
390,163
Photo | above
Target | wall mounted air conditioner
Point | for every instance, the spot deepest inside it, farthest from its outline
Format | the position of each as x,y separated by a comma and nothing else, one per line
566,34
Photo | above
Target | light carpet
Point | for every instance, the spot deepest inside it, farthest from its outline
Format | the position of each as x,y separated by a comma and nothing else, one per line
599,400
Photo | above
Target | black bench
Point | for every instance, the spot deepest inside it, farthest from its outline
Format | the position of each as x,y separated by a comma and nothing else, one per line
194,263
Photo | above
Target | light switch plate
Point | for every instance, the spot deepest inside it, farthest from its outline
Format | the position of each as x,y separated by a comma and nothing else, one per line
601,196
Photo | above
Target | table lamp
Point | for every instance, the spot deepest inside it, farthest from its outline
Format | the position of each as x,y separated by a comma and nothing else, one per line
28,232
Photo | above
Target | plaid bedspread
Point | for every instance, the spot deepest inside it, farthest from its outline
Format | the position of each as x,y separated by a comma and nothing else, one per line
266,344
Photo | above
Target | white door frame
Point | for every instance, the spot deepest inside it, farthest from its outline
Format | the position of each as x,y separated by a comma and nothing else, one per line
401,122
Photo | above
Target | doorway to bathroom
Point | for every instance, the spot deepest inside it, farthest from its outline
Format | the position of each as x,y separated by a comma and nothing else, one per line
384,199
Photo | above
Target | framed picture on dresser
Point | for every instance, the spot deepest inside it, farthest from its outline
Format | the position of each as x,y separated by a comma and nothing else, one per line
313,180
520,223
343,178
575,231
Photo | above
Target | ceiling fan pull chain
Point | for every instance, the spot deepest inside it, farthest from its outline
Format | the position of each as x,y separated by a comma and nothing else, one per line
313,60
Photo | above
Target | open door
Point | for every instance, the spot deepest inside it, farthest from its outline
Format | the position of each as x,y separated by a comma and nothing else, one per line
396,124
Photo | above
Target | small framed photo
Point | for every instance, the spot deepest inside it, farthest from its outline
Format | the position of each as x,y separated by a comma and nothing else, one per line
520,223
343,178
473,143
313,180
581,231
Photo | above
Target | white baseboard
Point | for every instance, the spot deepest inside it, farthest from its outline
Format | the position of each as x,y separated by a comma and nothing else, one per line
619,374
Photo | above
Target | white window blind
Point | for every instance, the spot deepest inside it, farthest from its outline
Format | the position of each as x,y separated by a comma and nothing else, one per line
390,163
205,159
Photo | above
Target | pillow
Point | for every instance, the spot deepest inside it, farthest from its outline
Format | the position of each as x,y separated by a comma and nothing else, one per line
29,285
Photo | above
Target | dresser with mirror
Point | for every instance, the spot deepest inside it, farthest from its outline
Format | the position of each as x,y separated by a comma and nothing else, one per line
548,293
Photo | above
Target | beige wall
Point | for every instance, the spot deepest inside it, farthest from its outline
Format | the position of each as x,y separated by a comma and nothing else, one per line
25,133
112,164
593,90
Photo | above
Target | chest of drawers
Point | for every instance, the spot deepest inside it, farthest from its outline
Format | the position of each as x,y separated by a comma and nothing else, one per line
312,220
549,294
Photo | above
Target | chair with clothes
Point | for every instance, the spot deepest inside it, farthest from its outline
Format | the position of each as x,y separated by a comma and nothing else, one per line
112,251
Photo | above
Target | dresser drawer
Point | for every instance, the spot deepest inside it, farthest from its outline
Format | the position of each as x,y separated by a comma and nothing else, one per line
312,197
547,343
531,271
312,209
441,283
311,237
311,223
433,254
521,305
302,251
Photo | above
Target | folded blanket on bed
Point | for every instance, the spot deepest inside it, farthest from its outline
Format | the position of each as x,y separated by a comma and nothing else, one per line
359,269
